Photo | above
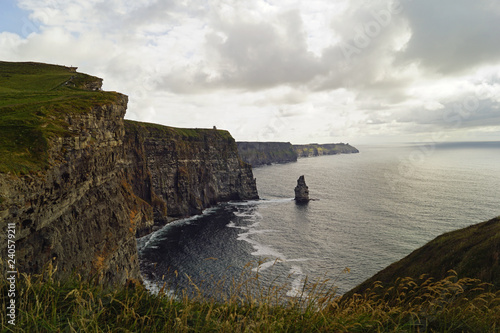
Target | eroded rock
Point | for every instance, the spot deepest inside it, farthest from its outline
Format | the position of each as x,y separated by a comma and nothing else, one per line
301,191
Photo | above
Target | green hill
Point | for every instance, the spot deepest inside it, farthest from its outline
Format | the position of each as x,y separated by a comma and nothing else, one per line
33,100
472,252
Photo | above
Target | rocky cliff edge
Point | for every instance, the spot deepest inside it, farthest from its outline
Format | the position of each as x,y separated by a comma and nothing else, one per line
79,184
266,153
179,172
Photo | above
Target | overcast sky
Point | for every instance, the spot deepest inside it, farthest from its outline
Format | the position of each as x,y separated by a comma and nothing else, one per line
281,70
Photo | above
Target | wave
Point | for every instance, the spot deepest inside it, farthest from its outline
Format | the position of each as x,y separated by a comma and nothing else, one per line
297,284
271,256
148,240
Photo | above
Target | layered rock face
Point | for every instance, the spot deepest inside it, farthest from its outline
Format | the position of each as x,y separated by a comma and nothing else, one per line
108,185
79,199
264,153
312,150
79,214
179,172
301,191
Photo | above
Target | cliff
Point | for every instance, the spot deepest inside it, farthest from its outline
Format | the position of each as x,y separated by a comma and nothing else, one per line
179,172
315,149
79,184
61,174
264,153
472,252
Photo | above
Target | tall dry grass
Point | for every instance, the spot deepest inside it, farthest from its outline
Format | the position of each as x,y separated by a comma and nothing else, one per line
422,305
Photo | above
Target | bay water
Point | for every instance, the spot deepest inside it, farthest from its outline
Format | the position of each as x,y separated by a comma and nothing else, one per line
369,210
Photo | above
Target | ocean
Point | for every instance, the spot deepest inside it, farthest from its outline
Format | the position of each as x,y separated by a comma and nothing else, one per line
369,210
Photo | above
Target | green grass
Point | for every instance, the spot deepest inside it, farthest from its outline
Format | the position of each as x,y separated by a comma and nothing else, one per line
185,133
76,305
34,100
473,251
37,77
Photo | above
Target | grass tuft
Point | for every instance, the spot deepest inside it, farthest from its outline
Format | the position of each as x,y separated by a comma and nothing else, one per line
451,304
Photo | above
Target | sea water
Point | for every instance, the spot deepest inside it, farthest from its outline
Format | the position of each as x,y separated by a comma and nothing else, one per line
369,210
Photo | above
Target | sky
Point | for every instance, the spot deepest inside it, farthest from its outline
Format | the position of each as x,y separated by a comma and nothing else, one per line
362,72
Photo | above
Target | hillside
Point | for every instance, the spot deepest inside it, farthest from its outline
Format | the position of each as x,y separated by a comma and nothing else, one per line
34,100
78,183
472,252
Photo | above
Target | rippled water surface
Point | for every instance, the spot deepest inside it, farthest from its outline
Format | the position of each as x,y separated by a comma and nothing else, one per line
371,209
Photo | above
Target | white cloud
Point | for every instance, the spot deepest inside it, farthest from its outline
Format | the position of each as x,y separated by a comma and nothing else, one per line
452,36
284,70
9,45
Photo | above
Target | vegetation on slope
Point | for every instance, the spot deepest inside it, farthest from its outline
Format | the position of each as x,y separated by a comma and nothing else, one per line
76,305
34,98
453,303
473,252
184,133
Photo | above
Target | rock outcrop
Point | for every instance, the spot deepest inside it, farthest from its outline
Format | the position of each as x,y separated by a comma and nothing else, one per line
179,172
266,153
301,191
79,183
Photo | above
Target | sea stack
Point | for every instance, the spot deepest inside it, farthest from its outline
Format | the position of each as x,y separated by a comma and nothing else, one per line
301,191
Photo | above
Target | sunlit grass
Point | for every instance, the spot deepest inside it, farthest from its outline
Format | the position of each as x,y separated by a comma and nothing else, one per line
35,100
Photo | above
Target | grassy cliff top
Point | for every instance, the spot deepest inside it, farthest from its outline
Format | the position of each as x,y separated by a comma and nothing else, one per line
34,97
185,133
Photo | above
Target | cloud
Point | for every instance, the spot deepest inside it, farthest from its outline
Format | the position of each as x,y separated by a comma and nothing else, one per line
341,70
9,45
249,54
451,36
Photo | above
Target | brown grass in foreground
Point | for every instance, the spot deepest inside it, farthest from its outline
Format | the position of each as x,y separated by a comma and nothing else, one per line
423,305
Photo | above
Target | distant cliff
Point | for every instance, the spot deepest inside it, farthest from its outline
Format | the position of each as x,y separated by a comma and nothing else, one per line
179,172
79,183
262,153
265,153
472,252
314,149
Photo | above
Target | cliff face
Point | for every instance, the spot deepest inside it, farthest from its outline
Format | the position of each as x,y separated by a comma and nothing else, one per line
79,183
179,172
312,150
265,153
77,214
